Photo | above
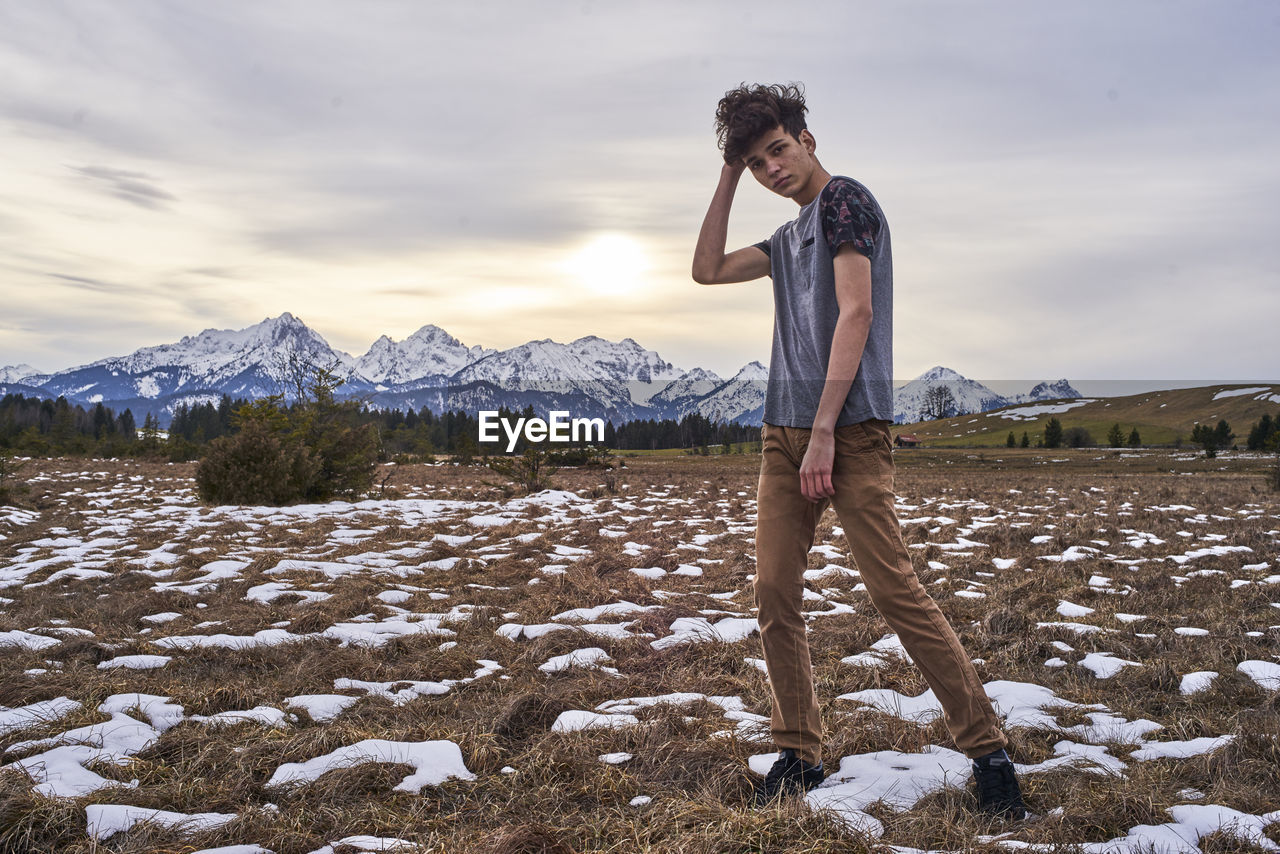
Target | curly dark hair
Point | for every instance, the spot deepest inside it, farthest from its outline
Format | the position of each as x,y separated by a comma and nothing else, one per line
745,113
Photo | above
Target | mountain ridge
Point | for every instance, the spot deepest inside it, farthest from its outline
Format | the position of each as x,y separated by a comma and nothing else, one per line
597,377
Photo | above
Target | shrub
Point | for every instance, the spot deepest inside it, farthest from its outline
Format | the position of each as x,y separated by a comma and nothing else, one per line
346,449
311,451
465,449
180,449
592,456
532,470
13,488
1078,437
256,466
571,457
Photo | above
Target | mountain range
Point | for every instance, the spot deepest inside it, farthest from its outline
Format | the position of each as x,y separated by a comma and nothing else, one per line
588,377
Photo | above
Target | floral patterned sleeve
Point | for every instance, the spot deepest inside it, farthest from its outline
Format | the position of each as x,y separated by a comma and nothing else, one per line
848,216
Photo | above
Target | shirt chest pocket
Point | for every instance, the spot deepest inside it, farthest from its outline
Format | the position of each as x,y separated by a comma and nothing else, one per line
805,260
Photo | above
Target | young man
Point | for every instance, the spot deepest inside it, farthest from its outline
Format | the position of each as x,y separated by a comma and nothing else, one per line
827,413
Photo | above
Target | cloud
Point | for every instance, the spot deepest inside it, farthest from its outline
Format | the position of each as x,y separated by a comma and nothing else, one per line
415,292
134,187
88,284
1116,153
214,272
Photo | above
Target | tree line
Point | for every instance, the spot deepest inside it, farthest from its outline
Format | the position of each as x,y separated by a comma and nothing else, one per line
41,427
1263,436
1055,436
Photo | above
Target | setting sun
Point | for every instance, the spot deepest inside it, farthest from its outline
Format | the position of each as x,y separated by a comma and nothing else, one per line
609,264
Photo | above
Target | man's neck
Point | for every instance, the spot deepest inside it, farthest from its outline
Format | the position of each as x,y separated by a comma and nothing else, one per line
817,181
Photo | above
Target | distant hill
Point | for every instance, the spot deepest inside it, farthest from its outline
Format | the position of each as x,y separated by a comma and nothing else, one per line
967,396
1160,416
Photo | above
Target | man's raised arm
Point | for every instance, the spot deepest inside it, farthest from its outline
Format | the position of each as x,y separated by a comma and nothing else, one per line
711,266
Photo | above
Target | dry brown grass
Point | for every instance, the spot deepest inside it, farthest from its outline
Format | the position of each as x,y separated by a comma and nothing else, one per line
560,797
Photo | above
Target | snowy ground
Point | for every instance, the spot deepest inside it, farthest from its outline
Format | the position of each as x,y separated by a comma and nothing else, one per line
429,671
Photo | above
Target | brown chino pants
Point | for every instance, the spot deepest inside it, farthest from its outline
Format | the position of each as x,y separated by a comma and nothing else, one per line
863,480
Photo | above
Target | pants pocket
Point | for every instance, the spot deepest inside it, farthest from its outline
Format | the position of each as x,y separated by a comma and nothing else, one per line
853,438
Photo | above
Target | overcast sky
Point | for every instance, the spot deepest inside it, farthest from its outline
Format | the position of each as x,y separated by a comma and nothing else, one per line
1084,189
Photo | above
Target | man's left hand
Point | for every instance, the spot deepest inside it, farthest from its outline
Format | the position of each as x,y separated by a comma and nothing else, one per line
815,469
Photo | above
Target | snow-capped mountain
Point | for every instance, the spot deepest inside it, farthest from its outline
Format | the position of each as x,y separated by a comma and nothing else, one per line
590,366
911,403
217,354
589,377
548,365
681,396
1060,390
17,373
428,353
740,399
250,363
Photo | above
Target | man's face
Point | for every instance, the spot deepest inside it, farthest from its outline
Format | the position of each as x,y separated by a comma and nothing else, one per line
782,163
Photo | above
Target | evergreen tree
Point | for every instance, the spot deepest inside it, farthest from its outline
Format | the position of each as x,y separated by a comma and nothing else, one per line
127,427
1222,434
1115,436
149,438
103,423
1134,439
1053,433
1011,442
179,423
465,448
63,429
1026,440
45,418
226,410
1206,437
1262,435
311,450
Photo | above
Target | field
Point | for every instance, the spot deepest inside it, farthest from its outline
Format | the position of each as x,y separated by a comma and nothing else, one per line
449,667
1160,417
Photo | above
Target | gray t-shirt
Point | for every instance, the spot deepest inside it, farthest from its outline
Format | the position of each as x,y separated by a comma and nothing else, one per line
805,307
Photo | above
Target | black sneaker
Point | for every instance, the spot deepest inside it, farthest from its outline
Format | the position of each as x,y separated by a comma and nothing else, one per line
998,790
790,775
